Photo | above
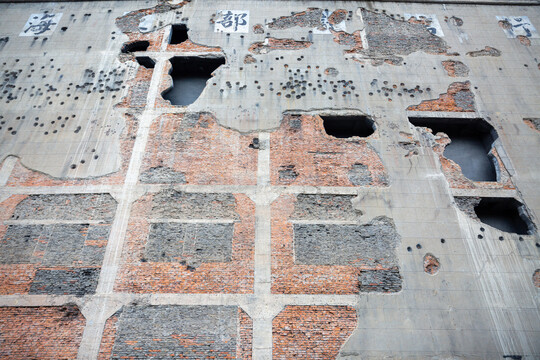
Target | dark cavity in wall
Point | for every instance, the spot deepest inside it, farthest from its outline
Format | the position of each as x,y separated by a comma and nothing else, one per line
189,78
472,140
348,126
135,46
146,61
179,34
506,214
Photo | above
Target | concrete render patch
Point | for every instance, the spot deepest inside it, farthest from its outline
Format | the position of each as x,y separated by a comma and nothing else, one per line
190,332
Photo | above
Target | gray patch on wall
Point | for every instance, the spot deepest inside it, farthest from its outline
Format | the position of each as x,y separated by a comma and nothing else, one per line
324,207
182,205
76,281
370,244
187,332
359,175
162,175
190,244
380,280
467,205
66,207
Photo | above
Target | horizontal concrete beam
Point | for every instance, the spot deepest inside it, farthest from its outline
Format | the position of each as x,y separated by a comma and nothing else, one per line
464,2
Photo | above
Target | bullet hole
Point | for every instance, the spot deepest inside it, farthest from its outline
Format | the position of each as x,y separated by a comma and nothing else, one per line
73,166
480,236
443,241
482,229
135,46
77,129
190,75
179,34
418,246
254,143
64,28
506,214
520,238
83,161
95,157
409,249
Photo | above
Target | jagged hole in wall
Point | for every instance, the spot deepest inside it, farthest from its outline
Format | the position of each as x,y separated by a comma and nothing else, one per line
189,76
348,126
135,46
506,214
472,140
179,34
146,61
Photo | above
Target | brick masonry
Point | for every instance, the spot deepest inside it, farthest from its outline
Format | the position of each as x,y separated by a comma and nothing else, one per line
165,331
60,258
312,332
40,332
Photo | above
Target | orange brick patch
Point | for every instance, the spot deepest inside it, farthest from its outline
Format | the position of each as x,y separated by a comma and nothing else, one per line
312,332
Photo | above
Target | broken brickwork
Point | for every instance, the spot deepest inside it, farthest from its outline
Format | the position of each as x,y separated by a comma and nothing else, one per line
271,44
486,51
163,331
303,154
326,258
455,68
311,332
40,332
431,264
194,149
458,98
61,258
533,123
189,243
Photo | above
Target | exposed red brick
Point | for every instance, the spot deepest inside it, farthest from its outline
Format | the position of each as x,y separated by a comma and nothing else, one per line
455,68
190,46
431,264
107,340
353,40
536,278
258,29
458,98
311,332
317,158
337,16
525,41
270,44
245,336
40,332
172,277
249,59
213,155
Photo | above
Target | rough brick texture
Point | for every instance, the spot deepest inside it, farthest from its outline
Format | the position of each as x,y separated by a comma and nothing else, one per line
536,278
60,258
533,123
455,68
40,332
271,44
329,261
187,332
431,264
380,280
301,146
194,149
194,271
458,98
324,207
486,51
311,332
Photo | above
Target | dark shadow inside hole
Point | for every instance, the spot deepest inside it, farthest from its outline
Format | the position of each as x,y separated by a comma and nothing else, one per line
348,126
135,46
179,34
503,214
146,61
189,76
472,140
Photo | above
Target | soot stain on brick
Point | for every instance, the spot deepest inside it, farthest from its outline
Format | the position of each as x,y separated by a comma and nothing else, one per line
182,205
162,175
287,173
324,207
458,98
380,280
366,245
190,332
190,244
74,281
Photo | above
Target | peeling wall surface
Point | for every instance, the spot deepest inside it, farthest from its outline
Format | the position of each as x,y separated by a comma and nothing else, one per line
254,222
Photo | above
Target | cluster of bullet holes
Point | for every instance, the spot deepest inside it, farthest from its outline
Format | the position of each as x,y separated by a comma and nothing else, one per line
111,81
179,34
389,90
505,214
418,246
146,61
190,75
93,155
472,140
135,46
348,126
